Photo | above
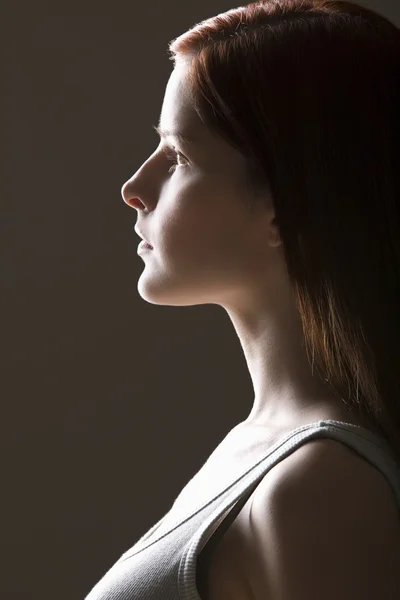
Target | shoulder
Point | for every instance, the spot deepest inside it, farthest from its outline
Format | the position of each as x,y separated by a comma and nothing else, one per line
323,517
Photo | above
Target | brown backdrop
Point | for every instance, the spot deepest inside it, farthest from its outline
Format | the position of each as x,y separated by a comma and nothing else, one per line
109,404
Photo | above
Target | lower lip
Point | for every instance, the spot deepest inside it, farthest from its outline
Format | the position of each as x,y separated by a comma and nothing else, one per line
144,246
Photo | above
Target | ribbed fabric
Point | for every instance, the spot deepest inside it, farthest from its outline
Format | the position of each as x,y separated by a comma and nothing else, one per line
162,564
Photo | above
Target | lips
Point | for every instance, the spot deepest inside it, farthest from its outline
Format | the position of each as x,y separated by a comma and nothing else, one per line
141,236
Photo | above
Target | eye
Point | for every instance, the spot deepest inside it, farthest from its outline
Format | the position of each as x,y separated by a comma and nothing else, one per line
172,155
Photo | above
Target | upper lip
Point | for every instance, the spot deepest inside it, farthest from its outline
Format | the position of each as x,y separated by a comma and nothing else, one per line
141,235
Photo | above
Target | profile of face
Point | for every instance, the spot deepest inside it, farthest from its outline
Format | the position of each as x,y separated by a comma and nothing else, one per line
208,247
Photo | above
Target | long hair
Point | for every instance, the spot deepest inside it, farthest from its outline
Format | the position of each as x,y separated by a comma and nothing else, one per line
309,92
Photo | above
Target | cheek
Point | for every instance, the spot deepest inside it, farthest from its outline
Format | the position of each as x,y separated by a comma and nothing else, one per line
203,218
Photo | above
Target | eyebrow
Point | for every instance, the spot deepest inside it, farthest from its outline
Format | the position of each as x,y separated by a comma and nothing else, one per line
164,134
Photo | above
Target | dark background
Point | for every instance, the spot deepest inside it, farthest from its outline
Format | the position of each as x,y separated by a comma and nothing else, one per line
109,404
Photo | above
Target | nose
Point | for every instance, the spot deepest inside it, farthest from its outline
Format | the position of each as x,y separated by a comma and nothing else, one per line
127,197
124,192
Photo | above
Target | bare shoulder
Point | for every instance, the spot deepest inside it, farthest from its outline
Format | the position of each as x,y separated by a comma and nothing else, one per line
323,519
322,464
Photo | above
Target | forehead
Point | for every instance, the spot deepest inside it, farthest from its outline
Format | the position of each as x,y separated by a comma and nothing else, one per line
178,119
169,134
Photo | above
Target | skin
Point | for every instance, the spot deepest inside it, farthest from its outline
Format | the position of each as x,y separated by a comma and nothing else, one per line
209,248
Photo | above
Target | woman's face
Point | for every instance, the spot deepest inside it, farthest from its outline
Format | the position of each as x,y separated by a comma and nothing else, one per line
207,246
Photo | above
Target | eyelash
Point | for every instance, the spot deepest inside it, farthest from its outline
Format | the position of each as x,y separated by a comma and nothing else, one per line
172,154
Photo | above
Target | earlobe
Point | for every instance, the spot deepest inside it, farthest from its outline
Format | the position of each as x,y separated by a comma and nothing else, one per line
274,237
270,229
275,241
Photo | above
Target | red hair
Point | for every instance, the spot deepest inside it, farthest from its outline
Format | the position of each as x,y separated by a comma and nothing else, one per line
309,92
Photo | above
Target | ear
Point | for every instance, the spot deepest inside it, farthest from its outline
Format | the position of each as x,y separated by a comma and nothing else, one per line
274,236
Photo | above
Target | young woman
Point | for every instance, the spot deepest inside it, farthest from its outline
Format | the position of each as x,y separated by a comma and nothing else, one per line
274,193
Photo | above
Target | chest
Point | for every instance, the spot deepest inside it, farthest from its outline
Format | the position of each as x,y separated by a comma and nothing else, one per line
220,572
